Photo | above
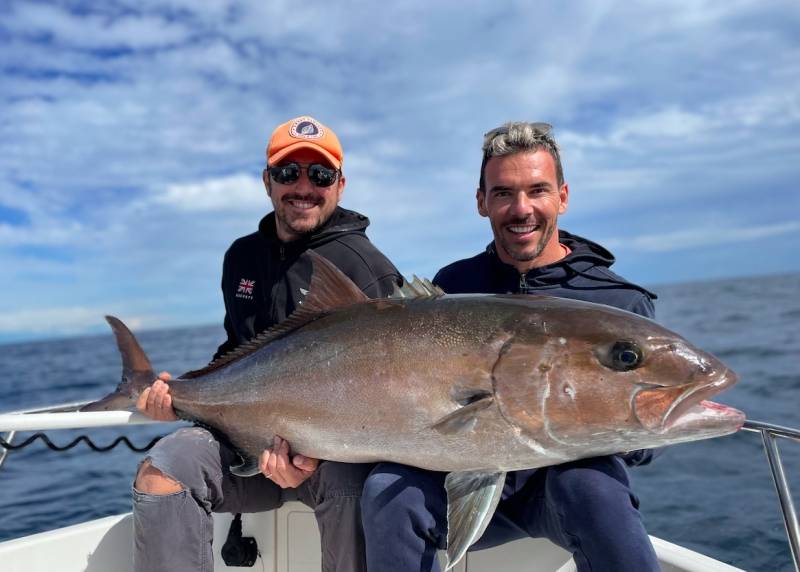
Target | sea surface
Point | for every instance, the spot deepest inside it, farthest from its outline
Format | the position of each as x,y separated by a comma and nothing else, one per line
714,496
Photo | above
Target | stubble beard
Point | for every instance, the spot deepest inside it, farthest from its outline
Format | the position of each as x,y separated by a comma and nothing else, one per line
526,256
297,227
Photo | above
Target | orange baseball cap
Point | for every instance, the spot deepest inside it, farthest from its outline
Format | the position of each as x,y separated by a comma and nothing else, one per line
304,133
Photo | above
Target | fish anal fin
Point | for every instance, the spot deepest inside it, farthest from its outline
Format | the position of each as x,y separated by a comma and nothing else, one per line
247,468
464,419
472,498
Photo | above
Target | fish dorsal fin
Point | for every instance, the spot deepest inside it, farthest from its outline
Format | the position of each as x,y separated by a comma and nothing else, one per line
417,288
472,497
329,289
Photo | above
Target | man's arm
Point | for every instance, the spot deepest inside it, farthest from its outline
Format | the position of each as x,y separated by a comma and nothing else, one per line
231,342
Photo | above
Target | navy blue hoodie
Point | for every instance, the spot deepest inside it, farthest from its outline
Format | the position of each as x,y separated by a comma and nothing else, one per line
583,274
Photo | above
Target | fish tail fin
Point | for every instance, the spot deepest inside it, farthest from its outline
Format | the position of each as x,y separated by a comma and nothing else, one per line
137,373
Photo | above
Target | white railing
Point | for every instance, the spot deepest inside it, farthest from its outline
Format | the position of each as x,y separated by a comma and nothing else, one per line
64,416
769,434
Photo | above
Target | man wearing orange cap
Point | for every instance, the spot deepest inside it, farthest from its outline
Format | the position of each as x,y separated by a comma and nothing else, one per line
186,476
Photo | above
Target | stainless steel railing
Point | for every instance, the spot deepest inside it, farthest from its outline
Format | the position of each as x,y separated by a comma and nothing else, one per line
769,433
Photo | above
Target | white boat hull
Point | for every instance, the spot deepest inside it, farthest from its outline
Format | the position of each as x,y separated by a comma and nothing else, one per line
288,541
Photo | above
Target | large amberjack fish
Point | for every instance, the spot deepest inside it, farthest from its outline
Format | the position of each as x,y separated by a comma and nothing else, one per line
475,385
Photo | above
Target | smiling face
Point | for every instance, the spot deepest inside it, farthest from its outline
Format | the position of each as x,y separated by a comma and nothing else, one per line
522,199
301,207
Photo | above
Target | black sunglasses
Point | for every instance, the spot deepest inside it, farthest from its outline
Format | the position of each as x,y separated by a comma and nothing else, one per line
319,175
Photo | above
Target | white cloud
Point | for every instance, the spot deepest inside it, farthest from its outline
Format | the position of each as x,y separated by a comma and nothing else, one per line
57,232
95,29
233,193
703,237
670,122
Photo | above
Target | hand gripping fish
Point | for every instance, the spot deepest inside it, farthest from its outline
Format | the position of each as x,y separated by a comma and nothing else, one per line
475,385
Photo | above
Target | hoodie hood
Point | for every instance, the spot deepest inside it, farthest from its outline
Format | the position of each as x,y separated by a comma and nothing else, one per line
342,221
587,261
584,251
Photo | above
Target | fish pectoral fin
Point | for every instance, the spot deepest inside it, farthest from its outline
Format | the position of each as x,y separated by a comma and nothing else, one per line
464,419
472,497
247,468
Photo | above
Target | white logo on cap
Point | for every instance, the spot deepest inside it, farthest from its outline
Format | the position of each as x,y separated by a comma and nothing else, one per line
306,128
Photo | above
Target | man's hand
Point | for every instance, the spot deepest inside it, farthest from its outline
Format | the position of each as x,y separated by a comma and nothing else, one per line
275,465
155,402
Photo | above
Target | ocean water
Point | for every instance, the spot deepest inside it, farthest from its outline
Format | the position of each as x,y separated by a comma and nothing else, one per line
713,496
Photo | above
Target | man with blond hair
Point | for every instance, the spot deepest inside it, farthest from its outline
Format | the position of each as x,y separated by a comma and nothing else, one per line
586,506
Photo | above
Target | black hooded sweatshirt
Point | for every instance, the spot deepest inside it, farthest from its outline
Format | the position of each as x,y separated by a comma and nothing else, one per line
264,279
581,275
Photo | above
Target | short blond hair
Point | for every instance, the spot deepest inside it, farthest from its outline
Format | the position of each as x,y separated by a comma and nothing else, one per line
518,137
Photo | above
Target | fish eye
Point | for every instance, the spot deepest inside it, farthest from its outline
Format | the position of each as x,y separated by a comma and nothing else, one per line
624,356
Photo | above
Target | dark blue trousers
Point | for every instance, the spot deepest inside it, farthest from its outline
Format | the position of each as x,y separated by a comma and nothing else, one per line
586,507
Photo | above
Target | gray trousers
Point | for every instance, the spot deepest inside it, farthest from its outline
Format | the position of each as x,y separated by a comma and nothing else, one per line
174,532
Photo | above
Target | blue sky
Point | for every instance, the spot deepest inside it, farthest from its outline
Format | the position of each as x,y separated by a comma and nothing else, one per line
132,136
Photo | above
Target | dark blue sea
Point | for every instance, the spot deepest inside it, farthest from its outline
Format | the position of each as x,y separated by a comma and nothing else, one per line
714,496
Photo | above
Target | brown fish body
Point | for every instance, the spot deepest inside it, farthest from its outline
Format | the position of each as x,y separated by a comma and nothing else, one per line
451,384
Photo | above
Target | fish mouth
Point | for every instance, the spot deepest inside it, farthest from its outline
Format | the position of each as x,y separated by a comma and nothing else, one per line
706,416
665,409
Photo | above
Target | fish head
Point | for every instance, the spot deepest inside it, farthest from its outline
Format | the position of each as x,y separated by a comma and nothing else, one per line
601,379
